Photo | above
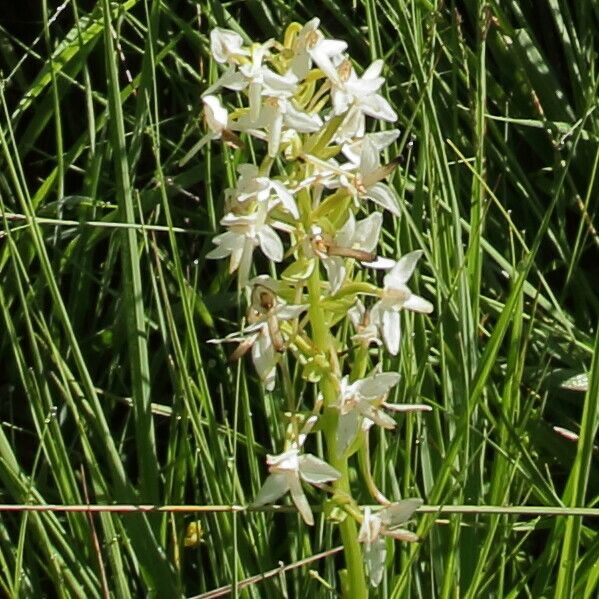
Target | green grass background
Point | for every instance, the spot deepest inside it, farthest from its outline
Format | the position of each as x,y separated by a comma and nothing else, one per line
109,392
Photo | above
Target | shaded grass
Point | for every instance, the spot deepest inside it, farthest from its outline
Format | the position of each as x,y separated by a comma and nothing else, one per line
106,375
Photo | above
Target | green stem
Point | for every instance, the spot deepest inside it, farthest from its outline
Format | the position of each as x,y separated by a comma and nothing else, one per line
356,581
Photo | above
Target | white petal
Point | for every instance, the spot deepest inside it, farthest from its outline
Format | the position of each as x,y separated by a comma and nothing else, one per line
384,196
224,43
402,271
391,331
335,272
418,304
265,360
368,231
274,487
302,122
215,113
369,157
270,243
377,385
301,503
381,263
377,107
374,70
347,429
374,556
313,470
400,511
289,312
345,236
407,407
286,198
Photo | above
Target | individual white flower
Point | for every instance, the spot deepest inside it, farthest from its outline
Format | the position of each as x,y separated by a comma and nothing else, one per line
385,522
355,239
396,296
251,186
245,233
381,140
359,98
310,45
216,118
365,399
366,181
366,331
288,469
226,45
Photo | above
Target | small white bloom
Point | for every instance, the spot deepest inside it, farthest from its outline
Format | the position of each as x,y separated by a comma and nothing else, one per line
397,296
310,46
226,45
362,399
366,331
245,233
359,98
252,186
355,239
287,470
366,182
386,522
381,140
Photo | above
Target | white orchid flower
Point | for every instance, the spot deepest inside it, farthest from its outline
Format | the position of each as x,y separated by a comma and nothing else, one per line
252,186
289,469
216,118
365,399
366,181
358,97
385,522
366,331
245,233
355,239
263,335
381,140
310,46
396,296
226,45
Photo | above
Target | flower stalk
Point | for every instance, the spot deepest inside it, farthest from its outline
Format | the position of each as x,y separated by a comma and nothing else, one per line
311,201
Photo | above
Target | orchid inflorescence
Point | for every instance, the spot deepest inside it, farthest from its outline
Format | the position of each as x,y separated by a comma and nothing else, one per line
319,173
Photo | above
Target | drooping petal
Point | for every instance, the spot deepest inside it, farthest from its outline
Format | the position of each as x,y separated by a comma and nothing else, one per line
384,196
265,359
227,242
313,470
418,304
302,122
377,107
275,486
335,272
368,231
216,114
301,503
290,311
347,429
270,243
286,198
374,556
391,330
